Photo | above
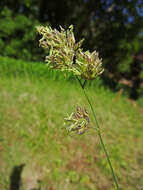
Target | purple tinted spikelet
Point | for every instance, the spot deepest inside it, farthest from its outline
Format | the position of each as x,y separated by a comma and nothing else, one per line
63,51
78,121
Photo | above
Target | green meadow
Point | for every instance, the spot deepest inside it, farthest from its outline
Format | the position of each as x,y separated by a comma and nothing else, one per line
33,104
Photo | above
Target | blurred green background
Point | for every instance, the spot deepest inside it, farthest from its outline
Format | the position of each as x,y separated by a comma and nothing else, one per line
112,27
36,152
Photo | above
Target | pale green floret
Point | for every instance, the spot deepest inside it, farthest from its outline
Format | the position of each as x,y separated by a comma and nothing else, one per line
89,65
62,49
78,122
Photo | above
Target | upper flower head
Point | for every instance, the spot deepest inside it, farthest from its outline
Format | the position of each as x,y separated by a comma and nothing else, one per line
63,51
89,65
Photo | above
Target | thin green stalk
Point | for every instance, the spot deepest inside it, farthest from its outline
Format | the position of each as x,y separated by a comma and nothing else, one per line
100,136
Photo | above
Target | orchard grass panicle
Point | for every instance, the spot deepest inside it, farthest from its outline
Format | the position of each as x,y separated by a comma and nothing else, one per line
65,54
78,121
60,45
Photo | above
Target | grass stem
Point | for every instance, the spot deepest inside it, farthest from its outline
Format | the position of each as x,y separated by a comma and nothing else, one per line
100,136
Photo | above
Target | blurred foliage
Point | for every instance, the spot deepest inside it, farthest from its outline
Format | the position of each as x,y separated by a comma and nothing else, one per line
11,67
17,36
114,28
32,132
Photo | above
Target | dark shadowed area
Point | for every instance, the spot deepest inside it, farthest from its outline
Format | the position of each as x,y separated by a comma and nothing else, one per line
15,178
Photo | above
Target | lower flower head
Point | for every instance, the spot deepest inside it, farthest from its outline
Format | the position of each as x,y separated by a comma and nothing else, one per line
78,121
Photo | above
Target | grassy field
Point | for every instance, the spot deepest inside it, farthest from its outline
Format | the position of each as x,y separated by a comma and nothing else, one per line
38,152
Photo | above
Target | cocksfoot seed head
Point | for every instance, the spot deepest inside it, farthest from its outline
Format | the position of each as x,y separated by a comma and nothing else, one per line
67,55
89,65
78,122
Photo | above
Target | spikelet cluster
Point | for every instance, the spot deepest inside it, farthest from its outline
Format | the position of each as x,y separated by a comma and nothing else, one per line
67,55
78,121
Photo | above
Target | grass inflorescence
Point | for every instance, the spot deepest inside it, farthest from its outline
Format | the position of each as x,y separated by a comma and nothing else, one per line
65,54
